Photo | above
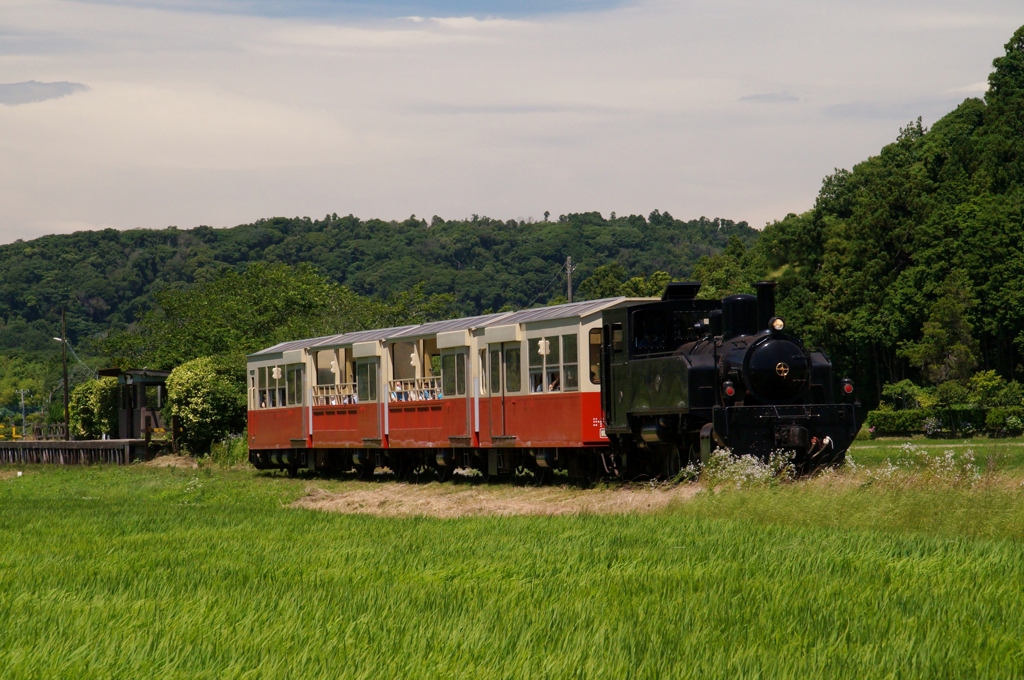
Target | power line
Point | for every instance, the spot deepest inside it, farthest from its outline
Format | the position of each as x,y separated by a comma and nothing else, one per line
545,288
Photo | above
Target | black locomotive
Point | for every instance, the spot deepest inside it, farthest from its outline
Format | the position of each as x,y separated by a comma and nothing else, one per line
686,376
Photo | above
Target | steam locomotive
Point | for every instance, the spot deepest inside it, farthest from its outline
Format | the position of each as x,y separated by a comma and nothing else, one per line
620,387
687,376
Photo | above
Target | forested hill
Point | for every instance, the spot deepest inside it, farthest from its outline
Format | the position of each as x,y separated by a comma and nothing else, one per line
108,278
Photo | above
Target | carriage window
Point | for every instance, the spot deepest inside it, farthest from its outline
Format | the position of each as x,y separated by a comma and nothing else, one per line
448,374
263,387
294,383
453,374
327,368
595,356
495,371
366,381
536,365
551,363
570,365
460,374
275,386
546,365
483,373
514,368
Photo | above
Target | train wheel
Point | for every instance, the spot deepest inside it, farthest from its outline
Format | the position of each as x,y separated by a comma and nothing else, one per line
364,471
533,475
403,468
443,473
595,469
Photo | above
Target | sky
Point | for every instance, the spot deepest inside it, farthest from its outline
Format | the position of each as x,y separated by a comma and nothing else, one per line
126,114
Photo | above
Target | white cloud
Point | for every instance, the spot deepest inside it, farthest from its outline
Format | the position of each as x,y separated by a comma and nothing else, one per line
731,109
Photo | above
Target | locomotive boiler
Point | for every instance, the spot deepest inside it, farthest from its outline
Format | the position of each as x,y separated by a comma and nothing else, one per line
687,376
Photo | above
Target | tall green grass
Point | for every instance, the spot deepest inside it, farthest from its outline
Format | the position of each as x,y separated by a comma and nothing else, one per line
142,572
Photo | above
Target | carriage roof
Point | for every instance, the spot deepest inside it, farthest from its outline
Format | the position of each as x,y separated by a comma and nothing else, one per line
571,310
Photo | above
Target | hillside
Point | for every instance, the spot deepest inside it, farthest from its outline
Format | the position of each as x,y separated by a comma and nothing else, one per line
911,265
108,278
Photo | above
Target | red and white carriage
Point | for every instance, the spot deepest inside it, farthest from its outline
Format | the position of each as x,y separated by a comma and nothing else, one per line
499,393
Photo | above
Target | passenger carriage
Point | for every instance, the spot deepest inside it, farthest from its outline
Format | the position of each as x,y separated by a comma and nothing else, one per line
499,393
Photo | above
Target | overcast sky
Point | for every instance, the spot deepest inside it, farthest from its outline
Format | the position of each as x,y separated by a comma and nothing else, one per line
186,112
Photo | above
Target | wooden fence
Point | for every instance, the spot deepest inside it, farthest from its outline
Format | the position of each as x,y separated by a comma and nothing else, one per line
110,451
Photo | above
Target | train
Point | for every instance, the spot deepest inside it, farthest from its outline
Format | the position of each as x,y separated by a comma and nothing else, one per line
625,388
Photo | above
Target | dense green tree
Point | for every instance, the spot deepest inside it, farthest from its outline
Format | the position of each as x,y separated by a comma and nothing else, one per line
947,350
605,282
207,396
93,409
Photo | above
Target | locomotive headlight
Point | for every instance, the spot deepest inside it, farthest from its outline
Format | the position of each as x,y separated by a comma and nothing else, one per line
777,323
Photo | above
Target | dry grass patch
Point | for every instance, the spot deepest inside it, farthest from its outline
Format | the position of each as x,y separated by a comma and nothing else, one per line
447,501
185,462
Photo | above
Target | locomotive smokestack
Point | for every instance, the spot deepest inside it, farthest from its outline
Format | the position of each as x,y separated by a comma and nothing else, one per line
765,303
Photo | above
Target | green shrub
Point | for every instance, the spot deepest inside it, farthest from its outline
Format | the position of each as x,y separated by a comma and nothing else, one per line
957,421
1005,420
208,397
231,451
887,423
92,408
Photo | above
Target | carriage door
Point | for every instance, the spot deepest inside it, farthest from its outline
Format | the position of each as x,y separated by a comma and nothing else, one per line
496,390
367,391
506,379
454,386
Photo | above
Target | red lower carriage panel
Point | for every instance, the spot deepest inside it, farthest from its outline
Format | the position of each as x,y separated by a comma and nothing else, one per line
276,428
545,420
416,425
348,426
335,426
592,423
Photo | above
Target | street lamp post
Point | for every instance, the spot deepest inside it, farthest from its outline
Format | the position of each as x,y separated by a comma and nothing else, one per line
65,346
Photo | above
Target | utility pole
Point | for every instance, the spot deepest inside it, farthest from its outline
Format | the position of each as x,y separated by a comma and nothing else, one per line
568,275
22,413
64,355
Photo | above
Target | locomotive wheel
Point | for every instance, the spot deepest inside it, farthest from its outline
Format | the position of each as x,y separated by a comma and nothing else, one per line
364,472
671,462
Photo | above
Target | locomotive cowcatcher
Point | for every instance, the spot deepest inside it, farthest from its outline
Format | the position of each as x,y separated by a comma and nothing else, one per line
619,387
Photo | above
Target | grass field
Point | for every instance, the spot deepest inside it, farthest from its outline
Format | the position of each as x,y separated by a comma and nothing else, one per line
165,572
